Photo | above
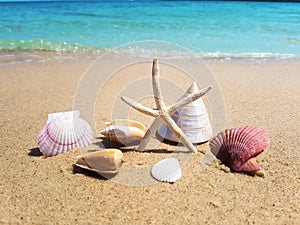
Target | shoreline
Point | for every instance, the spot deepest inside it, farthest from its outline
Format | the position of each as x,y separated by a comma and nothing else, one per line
37,190
27,56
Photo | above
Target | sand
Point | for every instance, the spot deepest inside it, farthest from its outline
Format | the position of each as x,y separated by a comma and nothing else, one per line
38,190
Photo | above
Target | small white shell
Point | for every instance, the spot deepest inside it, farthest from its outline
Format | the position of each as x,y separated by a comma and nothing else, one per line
193,120
63,132
124,131
167,170
103,161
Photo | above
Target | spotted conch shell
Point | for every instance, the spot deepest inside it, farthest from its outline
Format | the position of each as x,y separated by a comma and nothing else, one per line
237,148
124,131
63,132
106,161
193,120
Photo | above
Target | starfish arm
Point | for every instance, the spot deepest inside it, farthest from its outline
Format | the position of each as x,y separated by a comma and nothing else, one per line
149,133
139,107
188,99
156,86
179,133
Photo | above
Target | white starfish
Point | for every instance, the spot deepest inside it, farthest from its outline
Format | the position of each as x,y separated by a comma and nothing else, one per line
163,113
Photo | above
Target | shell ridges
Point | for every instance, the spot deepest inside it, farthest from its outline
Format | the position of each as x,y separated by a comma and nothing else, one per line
167,170
238,147
63,132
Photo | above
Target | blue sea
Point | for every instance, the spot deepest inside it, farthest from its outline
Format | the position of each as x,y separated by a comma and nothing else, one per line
208,28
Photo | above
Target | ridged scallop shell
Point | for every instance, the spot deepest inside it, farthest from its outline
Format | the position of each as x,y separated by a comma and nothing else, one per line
63,132
193,120
103,161
238,147
167,170
124,131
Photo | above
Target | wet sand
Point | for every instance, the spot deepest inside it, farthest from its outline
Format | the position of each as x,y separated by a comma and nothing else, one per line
38,190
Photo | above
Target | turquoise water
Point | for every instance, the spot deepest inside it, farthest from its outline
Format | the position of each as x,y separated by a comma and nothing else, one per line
218,29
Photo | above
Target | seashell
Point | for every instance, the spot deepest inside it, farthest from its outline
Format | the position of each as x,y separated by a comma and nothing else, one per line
102,161
167,170
193,120
126,122
63,132
124,131
238,147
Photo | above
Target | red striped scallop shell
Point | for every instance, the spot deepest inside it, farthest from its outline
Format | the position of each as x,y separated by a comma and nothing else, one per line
63,132
238,147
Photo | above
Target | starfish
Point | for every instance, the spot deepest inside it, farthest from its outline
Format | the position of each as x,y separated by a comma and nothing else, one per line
163,113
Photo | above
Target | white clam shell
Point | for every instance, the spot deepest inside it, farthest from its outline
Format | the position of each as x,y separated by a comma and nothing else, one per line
193,120
63,132
124,131
167,170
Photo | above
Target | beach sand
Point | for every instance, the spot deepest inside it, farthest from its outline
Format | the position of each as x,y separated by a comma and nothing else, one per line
38,190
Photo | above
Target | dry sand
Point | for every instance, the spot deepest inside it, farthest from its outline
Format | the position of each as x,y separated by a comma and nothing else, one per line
38,190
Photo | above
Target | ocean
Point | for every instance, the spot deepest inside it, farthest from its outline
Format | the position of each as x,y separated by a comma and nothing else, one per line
208,28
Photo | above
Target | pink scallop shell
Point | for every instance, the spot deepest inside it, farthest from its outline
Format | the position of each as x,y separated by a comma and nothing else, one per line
63,132
238,147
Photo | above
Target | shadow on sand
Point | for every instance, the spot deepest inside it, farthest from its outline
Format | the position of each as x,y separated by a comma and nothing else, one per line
35,152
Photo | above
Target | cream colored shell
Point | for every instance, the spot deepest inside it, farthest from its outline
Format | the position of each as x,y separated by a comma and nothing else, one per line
124,131
102,161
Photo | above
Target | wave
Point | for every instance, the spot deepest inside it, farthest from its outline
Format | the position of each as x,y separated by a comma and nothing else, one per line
47,45
247,55
147,52
142,51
